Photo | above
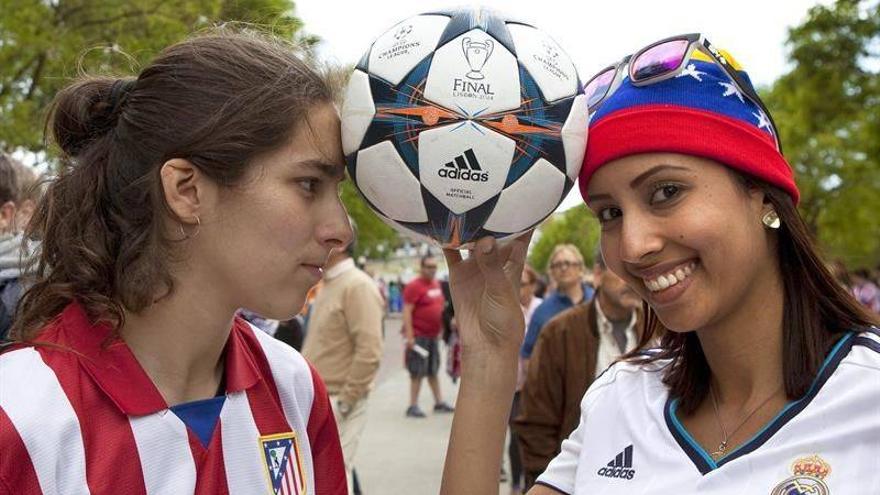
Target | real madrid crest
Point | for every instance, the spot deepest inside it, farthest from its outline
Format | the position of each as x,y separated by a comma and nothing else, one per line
283,461
809,478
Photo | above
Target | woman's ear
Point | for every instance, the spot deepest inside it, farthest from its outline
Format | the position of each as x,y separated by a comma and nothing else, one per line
188,192
758,199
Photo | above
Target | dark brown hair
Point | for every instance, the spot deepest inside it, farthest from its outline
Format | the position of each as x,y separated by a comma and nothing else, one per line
817,311
217,100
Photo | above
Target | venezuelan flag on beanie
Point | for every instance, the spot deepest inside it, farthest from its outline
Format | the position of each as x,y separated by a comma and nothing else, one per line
699,112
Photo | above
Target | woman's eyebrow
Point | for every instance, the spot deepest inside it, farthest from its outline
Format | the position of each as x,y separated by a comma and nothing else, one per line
638,180
656,170
335,171
597,197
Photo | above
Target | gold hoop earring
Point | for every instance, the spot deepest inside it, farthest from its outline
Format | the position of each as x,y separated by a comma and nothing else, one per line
184,236
771,219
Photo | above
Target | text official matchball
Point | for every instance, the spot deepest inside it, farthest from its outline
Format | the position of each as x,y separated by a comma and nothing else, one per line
461,124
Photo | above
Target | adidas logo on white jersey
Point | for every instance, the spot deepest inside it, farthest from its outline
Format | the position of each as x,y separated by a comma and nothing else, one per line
621,466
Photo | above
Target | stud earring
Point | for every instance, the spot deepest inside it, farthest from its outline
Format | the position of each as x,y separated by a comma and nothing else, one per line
771,219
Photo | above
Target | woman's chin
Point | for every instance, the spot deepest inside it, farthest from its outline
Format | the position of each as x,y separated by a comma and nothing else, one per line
282,310
676,321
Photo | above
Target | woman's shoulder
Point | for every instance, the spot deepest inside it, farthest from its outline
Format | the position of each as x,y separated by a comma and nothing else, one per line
300,389
292,374
642,374
52,351
865,351
35,410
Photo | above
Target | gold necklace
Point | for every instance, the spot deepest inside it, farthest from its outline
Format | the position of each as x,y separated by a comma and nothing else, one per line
722,447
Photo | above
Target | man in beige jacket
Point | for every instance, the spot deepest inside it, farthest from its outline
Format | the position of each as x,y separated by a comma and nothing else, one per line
344,344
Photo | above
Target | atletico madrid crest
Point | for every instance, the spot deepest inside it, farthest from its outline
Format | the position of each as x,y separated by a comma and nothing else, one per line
282,455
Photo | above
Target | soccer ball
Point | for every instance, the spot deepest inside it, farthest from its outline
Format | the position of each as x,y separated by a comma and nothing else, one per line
462,124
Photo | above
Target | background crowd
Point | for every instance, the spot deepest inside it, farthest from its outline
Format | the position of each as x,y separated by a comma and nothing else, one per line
579,316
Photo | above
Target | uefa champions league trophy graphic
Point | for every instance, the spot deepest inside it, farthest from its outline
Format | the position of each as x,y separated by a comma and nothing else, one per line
476,53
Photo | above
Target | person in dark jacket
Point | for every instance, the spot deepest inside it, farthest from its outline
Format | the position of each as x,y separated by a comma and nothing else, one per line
571,350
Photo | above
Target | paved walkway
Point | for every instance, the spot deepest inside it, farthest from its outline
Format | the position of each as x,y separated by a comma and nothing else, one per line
399,455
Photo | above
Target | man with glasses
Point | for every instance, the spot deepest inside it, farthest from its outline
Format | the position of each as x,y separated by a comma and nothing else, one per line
567,271
423,304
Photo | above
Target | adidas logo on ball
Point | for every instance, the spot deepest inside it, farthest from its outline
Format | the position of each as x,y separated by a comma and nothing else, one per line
464,167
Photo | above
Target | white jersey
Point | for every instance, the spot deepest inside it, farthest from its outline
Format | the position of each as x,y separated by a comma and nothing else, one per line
630,441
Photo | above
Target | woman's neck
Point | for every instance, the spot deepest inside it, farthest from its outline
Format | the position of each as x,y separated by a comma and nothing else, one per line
744,349
573,291
179,342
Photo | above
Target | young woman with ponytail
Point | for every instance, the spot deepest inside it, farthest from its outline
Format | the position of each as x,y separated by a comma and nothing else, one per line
206,183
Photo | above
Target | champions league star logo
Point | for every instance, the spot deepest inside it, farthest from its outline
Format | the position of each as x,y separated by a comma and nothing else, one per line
809,478
403,31
550,51
476,53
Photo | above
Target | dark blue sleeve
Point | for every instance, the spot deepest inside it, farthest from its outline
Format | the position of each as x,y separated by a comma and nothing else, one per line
539,317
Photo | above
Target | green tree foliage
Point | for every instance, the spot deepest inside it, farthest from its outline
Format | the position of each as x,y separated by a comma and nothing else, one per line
573,226
376,240
44,43
827,108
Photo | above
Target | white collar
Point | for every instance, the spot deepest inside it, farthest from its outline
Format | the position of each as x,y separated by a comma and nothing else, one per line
339,268
605,324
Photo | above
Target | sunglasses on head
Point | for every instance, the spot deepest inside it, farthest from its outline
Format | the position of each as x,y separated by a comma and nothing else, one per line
663,60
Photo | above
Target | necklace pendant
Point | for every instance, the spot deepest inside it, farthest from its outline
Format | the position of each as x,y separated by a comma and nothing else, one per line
722,449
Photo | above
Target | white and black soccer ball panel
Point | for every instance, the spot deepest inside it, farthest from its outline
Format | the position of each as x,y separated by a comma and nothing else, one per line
464,164
387,183
543,139
545,60
528,200
450,229
574,136
474,74
357,111
407,232
465,19
395,53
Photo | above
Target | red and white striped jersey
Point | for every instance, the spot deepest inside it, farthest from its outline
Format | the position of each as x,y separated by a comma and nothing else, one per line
78,415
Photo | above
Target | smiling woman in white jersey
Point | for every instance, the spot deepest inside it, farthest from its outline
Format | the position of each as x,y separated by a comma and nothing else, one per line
767,375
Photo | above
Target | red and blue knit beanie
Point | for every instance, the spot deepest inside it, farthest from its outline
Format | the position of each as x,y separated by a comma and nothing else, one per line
699,112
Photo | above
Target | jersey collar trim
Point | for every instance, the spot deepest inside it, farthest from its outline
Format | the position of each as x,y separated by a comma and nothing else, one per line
701,459
113,367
